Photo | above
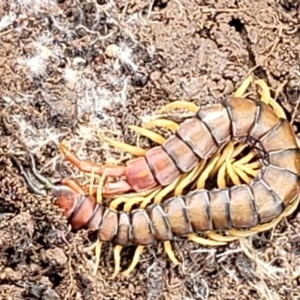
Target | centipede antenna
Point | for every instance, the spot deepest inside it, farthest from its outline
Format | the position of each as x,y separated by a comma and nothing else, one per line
31,186
40,178
47,184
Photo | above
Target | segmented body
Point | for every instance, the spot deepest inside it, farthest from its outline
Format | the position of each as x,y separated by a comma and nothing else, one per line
245,206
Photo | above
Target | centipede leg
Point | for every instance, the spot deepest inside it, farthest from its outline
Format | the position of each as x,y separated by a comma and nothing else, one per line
130,201
134,150
100,187
220,238
97,248
166,190
169,251
153,136
266,97
240,167
149,198
128,205
86,166
202,241
171,125
92,180
73,184
241,90
222,155
117,260
231,172
221,178
188,178
235,170
243,170
135,261
179,104
205,174
240,173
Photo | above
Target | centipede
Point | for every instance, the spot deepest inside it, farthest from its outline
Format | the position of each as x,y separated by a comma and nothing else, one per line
260,195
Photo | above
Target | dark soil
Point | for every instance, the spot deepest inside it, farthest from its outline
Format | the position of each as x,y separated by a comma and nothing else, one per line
60,79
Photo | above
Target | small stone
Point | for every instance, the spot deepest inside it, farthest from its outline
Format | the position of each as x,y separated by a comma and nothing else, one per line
112,51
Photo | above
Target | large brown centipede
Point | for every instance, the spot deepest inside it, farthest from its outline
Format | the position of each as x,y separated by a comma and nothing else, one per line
255,206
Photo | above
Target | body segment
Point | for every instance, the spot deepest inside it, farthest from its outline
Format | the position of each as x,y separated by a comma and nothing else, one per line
197,138
235,209
238,207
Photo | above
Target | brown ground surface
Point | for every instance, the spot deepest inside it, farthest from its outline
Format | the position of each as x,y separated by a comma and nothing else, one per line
59,81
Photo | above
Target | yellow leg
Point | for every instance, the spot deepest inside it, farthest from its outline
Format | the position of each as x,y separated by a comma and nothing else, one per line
222,157
153,136
118,201
144,193
92,180
230,170
179,104
170,252
149,198
266,97
166,190
202,241
250,168
125,198
220,238
117,260
205,174
189,178
246,158
237,169
292,207
134,150
171,125
128,205
137,200
241,233
240,173
97,246
226,168
238,149
221,179
256,229
98,256
135,260
240,92
100,187
232,174
265,94
265,91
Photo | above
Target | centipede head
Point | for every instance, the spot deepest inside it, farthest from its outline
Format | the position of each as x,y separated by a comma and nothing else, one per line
66,199
76,206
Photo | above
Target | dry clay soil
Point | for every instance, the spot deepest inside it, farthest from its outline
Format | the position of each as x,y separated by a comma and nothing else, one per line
62,78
